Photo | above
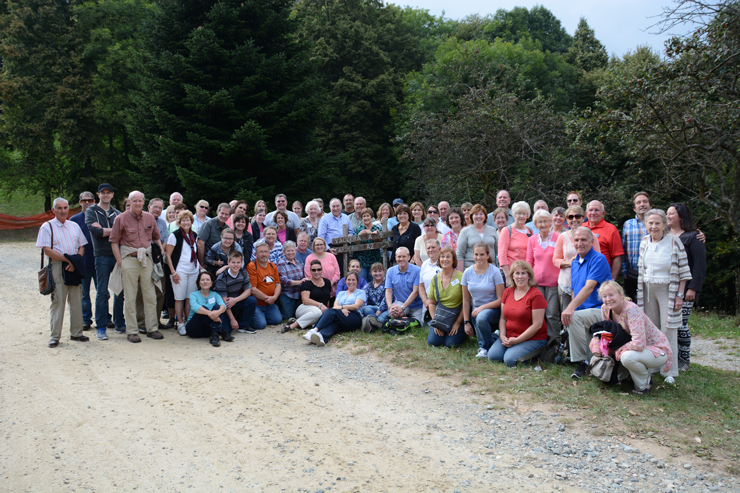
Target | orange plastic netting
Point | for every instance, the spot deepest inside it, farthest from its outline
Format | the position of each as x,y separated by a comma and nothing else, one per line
12,222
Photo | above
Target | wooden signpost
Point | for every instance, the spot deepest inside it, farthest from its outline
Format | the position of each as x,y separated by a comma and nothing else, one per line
382,241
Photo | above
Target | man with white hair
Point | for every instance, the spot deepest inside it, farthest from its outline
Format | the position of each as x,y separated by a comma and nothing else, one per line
131,241
332,225
540,205
175,198
355,218
609,239
58,239
587,272
443,208
401,285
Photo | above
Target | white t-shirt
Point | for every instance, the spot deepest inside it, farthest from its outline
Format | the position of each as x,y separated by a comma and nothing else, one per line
184,265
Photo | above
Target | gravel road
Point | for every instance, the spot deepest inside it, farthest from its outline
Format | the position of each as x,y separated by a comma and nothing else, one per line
269,412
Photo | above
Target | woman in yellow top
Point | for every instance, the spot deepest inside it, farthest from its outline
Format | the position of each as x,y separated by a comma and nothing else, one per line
445,298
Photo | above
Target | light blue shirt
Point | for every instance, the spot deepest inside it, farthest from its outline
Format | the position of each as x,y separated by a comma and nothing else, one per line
344,298
491,222
301,257
331,227
402,284
392,221
197,300
531,226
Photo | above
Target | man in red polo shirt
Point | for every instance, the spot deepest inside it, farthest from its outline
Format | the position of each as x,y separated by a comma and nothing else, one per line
609,239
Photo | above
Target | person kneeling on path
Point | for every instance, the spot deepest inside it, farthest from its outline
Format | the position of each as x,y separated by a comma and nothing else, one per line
206,308
234,287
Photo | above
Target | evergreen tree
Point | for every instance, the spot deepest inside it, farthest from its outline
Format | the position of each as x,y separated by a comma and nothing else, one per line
47,98
586,52
226,102
365,49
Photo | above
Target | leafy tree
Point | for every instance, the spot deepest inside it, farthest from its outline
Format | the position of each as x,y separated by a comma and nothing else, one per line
226,102
364,48
47,114
491,140
537,23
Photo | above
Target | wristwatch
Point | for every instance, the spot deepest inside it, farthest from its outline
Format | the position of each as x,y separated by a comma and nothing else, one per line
466,322
680,295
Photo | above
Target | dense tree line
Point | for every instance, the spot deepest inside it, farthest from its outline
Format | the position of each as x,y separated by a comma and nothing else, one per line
245,98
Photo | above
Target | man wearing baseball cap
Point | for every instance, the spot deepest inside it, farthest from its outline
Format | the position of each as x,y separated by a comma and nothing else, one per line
99,219
392,221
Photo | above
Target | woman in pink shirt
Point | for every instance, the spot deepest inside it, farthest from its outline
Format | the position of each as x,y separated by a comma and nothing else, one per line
513,239
329,264
540,250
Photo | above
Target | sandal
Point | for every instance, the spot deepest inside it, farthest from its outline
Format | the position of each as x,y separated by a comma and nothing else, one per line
646,390
286,328
291,320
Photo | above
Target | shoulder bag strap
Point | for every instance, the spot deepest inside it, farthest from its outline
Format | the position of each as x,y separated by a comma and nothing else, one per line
436,286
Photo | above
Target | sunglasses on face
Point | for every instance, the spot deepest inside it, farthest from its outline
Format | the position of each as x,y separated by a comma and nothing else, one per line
88,201
572,201
432,212
203,206
316,270
575,216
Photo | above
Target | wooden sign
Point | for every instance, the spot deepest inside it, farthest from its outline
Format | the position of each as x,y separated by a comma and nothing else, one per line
381,241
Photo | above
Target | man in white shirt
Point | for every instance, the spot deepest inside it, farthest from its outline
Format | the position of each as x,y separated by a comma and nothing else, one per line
56,239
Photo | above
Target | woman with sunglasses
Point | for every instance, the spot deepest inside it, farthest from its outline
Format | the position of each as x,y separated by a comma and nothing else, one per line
565,252
201,214
315,295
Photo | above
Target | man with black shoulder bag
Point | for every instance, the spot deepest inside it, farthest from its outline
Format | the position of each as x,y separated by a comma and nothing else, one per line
61,240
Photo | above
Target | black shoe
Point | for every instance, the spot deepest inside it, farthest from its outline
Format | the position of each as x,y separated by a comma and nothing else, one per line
86,327
161,327
580,370
226,336
214,339
171,323
110,325
142,330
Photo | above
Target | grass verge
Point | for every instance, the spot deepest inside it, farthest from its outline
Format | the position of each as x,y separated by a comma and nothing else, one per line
700,415
714,325
21,204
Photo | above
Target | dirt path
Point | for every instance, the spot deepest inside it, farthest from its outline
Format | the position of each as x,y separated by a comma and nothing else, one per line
265,413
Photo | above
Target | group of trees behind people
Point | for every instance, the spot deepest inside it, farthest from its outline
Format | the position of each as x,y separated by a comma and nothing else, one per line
375,99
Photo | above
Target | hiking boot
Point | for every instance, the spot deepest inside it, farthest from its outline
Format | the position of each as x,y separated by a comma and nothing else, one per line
155,335
215,340
580,370
134,338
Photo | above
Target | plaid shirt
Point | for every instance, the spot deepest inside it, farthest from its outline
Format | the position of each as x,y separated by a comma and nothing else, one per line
290,272
632,233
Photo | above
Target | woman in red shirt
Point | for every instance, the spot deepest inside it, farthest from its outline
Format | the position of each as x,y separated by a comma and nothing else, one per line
522,326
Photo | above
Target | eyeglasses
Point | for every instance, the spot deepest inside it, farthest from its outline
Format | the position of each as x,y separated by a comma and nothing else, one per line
575,216
316,270
432,212
571,201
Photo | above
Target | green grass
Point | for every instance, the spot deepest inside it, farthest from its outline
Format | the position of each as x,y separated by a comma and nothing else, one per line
705,403
713,325
21,204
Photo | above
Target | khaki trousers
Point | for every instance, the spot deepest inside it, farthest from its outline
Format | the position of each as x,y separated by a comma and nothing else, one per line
307,315
656,308
133,275
59,298
578,334
140,321
638,363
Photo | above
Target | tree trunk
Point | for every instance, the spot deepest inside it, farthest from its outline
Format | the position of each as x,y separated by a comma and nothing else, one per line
47,202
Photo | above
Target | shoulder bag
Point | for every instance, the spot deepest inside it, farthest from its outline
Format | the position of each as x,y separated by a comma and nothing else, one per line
444,318
46,278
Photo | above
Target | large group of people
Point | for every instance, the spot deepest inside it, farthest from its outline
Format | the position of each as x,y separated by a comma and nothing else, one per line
515,285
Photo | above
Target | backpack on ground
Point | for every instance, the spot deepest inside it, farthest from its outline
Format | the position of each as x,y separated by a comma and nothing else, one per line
399,326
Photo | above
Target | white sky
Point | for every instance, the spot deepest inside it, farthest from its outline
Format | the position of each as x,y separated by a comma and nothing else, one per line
620,25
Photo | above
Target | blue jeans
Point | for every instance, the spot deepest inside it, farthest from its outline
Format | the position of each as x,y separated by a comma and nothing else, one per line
485,325
243,312
509,355
202,326
446,340
265,315
287,305
103,267
333,321
366,274
368,310
86,301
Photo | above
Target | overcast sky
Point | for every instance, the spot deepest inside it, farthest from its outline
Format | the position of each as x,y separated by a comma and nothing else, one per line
620,25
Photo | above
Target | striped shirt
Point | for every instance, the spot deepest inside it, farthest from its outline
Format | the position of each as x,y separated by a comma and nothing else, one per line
68,237
290,271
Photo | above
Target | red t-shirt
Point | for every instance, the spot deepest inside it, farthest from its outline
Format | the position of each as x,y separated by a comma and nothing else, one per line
609,240
518,314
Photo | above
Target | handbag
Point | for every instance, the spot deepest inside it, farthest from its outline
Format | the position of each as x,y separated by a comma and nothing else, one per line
444,318
46,278
601,367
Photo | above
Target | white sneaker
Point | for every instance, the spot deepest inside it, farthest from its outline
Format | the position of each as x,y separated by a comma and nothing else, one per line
317,339
482,353
670,380
307,335
181,330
